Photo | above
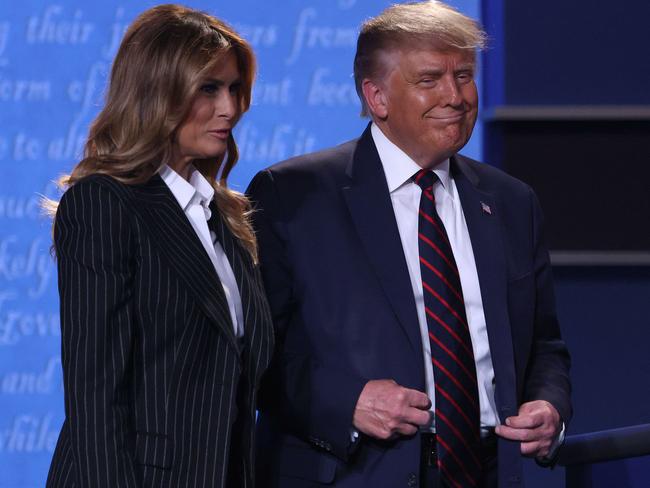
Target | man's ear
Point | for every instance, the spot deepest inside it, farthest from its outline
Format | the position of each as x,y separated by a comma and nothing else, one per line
375,99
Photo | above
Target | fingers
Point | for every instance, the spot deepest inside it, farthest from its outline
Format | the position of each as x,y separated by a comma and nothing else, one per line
542,410
525,421
386,409
521,427
535,449
389,427
536,427
521,435
417,416
406,429
406,422
418,399
534,442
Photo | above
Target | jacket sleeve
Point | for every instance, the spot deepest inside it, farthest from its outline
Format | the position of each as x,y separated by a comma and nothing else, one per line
313,401
93,244
547,376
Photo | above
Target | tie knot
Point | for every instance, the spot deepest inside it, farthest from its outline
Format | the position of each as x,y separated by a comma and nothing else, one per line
425,179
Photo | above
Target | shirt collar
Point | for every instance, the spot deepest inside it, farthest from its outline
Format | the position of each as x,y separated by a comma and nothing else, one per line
202,186
198,188
399,168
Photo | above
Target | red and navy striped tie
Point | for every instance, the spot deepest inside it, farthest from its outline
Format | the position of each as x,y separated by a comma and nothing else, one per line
457,412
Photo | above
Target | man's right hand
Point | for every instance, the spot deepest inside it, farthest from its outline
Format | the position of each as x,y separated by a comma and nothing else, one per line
385,410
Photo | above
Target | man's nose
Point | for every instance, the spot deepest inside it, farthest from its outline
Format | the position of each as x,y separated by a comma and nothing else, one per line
451,94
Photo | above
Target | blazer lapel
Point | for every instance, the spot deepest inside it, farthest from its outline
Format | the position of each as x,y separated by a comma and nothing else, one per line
238,259
372,212
173,234
258,326
484,225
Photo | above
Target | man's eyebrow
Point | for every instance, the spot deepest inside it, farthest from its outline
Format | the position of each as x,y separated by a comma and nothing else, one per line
438,70
435,71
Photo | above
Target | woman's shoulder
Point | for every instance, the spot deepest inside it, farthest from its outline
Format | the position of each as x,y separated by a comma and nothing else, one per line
96,186
96,194
98,181
94,207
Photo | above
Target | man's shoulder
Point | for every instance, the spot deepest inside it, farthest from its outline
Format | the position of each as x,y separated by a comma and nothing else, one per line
491,178
332,160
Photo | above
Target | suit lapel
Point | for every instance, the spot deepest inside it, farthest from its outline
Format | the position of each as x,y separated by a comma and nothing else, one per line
173,234
372,212
485,227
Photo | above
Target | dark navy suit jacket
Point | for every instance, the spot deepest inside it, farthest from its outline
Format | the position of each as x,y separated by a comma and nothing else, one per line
344,312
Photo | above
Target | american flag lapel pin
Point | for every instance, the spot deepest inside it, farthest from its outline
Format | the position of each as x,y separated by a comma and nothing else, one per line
486,208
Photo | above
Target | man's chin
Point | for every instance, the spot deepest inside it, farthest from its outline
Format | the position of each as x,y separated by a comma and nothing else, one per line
452,144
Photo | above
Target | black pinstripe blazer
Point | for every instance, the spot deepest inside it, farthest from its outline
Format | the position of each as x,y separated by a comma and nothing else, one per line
158,390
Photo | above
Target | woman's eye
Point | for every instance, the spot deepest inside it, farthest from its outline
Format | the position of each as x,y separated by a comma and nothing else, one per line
235,87
209,88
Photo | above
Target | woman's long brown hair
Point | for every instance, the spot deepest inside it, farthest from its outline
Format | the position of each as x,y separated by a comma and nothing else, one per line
157,72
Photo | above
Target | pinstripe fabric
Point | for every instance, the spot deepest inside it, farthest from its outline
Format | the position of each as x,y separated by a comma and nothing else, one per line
158,392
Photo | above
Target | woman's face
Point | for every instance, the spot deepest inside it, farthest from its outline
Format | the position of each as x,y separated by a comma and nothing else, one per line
215,110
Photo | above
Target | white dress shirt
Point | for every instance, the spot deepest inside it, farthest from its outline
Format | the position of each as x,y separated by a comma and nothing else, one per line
405,196
194,197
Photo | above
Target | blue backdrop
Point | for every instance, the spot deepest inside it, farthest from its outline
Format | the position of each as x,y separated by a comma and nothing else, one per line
54,61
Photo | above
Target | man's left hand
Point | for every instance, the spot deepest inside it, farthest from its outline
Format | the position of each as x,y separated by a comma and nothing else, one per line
536,427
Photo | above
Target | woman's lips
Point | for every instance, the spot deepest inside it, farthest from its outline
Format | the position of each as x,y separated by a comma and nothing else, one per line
220,133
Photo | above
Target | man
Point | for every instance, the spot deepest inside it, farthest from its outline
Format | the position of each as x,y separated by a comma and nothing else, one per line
410,287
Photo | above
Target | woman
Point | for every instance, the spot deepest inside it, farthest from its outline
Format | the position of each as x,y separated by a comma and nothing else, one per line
165,329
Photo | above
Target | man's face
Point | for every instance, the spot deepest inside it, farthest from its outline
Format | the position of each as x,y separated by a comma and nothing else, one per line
430,102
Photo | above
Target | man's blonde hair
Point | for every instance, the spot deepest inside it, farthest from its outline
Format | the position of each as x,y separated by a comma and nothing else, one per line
430,22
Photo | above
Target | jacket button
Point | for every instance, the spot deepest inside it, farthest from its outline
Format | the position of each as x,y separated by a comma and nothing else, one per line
412,480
